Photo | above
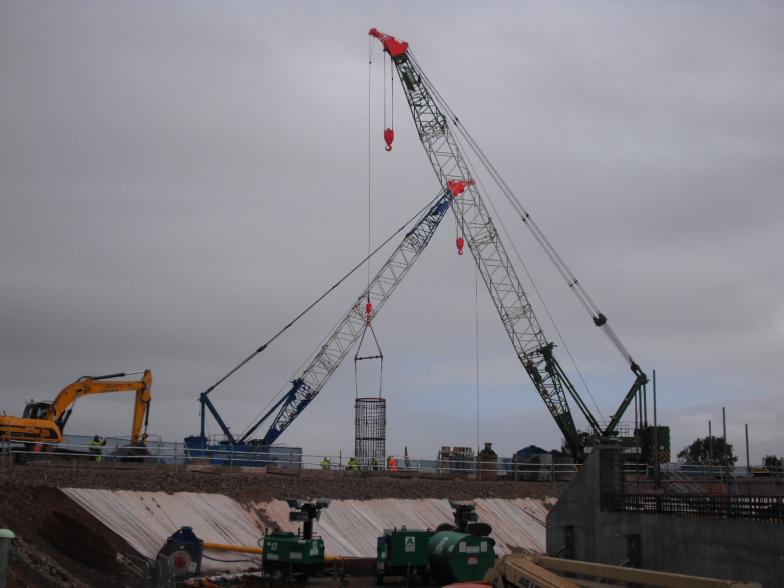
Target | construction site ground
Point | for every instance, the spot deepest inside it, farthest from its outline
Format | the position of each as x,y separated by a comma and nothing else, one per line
28,494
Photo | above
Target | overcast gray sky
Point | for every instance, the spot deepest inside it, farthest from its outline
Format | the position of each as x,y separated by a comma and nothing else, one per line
179,179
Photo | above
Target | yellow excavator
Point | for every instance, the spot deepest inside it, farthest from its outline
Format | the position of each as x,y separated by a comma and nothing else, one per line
43,422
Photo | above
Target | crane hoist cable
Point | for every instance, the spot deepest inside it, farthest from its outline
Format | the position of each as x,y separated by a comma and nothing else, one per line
389,131
599,319
368,326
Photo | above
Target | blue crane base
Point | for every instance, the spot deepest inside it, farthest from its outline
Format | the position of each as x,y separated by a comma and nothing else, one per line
224,453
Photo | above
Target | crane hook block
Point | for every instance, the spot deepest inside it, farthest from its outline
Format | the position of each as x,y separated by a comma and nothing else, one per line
369,309
389,136
460,245
457,187
392,46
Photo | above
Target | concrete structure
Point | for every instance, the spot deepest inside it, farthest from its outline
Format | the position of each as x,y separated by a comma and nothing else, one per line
578,528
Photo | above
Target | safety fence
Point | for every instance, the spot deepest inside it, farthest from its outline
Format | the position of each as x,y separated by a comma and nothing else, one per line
756,508
691,478
117,452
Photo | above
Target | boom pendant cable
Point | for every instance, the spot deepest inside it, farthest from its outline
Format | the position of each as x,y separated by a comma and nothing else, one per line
519,257
599,319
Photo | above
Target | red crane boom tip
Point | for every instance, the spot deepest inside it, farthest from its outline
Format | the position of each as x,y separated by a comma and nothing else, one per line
392,46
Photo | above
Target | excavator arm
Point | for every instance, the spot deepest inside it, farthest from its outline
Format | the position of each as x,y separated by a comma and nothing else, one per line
61,406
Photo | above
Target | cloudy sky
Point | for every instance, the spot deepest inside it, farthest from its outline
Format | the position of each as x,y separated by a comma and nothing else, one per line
177,180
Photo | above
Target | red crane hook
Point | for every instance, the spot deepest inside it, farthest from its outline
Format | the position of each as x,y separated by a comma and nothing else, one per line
460,244
389,136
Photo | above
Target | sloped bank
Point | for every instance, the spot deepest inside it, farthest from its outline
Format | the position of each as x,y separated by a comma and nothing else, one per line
349,527
29,493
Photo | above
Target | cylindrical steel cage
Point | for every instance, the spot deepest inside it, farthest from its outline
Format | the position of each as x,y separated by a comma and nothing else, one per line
370,432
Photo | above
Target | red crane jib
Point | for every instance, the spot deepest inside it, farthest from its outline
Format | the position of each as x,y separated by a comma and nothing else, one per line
392,46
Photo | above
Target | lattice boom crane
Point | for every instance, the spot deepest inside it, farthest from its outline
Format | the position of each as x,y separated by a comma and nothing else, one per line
511,301
306,385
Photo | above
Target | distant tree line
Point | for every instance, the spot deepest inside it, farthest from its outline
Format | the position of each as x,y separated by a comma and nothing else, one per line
708,451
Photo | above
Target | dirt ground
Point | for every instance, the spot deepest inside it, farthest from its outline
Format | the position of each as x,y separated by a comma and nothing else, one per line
28,494
36,560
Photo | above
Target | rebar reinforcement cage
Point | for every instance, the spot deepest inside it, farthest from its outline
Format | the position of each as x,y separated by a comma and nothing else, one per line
370,432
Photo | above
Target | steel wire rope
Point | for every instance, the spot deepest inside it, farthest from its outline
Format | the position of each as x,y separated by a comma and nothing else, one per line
550,251
480,186
476,346
319,299
548,248
369,308
392,92
370,140
571,280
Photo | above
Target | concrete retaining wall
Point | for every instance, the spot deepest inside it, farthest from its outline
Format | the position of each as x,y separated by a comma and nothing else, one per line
727,549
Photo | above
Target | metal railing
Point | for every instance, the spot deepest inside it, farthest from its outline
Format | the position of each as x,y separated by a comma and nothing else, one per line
157,452
78,449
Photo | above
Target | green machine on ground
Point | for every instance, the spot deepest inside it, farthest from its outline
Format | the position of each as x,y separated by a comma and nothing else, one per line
460,557
461,552
297,556
403,552
464,552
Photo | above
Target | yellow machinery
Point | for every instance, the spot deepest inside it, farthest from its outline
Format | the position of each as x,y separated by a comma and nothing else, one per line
43,422
536,571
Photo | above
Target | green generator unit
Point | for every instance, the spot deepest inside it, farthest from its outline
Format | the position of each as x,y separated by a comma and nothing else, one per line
403,552
287,555
290,556
460,557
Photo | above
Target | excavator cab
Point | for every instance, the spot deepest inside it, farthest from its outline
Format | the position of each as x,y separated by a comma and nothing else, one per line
36,410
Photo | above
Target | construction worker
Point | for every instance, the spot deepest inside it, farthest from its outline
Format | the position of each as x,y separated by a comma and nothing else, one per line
374,464
353,464
95,447
391,464
325,463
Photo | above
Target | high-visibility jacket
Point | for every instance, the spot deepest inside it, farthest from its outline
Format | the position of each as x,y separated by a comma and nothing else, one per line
325,464
95,447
